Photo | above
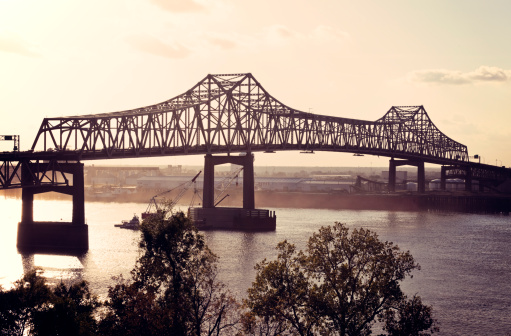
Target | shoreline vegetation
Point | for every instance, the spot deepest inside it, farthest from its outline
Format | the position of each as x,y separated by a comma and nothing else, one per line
341,284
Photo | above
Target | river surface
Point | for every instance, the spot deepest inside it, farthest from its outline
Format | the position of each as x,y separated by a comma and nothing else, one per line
465,259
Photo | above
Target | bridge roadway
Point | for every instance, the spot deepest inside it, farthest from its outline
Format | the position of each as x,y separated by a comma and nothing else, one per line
228,114
49,173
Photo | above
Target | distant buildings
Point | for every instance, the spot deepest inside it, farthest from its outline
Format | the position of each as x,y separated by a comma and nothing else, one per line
139,179
450,184
317,183
401,175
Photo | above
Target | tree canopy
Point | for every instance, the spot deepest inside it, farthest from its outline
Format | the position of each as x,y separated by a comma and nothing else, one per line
340,285
32,307
174,288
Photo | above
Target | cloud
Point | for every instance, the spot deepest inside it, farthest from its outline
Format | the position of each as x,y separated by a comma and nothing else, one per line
205,42
283,32
15,45
329,33
179,6
320,34
222,42
155,46
279,34
490,74
484,74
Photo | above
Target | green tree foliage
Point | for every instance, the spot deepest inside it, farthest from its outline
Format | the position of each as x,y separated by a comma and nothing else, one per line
174,289
280,294
339,286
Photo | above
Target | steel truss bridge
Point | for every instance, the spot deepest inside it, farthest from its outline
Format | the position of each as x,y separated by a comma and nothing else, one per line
232,113
222,114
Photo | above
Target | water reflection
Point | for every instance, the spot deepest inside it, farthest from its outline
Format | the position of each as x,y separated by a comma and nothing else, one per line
56,268
465,259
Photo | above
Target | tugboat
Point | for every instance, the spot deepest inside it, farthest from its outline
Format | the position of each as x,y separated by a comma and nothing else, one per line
133,224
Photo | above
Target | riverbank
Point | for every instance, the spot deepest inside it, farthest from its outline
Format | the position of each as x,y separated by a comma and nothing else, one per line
450,202
391,202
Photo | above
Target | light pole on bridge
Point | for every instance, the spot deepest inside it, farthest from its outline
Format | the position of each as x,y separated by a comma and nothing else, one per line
15,138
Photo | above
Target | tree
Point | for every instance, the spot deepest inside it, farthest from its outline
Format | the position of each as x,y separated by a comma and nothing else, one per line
18,305
70,312
338,286
174,288
254,325
32,307
409,318
280,294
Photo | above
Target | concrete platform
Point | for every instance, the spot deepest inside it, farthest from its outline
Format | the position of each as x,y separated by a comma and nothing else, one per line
237,219
53,237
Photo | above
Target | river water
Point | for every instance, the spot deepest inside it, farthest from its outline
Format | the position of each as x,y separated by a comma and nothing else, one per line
465,259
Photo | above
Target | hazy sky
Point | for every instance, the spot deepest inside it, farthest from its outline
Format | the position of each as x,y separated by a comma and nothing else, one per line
351,59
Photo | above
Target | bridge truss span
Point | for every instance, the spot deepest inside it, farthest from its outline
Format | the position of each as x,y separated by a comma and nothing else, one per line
234,113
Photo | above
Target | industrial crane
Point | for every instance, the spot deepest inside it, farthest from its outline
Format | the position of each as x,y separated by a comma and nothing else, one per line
158,209
225,183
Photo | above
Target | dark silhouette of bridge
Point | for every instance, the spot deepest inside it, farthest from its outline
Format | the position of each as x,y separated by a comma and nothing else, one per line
229,114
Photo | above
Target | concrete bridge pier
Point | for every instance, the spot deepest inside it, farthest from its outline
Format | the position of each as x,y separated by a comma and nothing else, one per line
247,218
53,236
443,178
468,179
421,175
247,161
461,172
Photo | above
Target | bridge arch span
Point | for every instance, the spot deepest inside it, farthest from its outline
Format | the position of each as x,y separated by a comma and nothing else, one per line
230,113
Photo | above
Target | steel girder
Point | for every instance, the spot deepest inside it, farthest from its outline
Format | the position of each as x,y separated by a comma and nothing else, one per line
25,173
480,172
234,113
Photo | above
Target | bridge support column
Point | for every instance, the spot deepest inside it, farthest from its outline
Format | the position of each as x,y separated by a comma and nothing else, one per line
443,178
247,218
78,195
68,237
248,182
392,175
247,161
481,186
27,195
421,175
468,179
208,188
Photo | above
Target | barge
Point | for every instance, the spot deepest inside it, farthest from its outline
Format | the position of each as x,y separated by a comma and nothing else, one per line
236,219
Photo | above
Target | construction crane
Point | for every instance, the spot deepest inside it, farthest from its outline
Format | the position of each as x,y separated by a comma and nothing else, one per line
225,183
153,203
